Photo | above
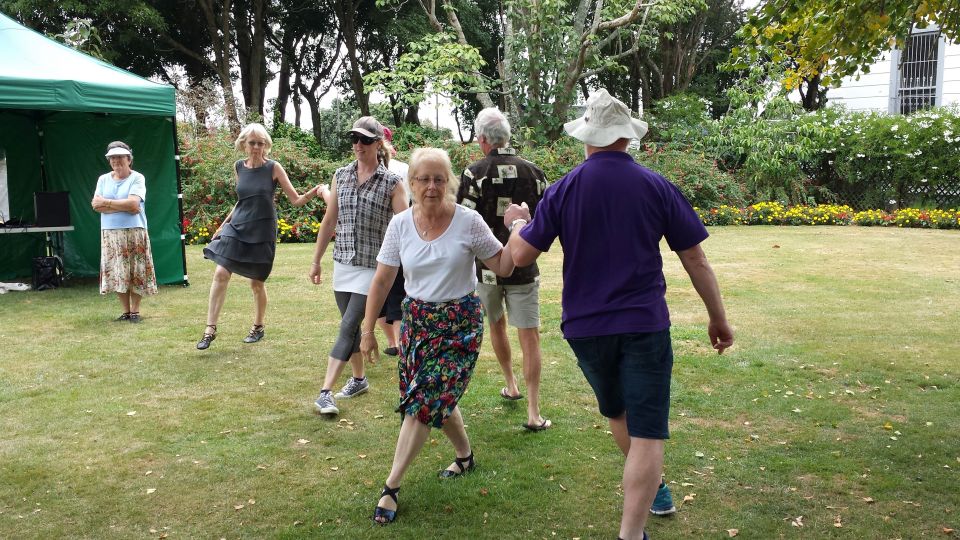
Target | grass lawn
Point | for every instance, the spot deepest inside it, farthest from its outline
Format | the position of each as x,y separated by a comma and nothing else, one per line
835,415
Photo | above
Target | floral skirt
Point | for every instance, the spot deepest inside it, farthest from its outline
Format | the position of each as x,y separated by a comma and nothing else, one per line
126,263
439,345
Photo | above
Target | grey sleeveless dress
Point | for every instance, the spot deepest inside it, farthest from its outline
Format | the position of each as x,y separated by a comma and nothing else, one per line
248,242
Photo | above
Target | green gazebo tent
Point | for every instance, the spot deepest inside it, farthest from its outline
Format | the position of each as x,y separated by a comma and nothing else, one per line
58,110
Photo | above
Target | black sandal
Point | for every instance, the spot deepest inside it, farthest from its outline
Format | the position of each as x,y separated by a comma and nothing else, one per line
134,317
389,516
207,338
123,317
255,335
464,464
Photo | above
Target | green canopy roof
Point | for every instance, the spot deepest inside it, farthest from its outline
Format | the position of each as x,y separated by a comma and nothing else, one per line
39,73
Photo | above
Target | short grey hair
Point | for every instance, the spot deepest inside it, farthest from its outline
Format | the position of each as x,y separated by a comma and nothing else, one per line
493,126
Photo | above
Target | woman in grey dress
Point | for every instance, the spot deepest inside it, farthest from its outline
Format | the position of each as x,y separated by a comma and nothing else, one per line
245,243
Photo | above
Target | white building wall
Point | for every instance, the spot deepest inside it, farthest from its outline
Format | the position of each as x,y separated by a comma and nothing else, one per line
871,91
951,74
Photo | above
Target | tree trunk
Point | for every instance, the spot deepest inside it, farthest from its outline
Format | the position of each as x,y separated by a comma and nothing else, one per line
284,87
815,96
346,11
412,116
251,49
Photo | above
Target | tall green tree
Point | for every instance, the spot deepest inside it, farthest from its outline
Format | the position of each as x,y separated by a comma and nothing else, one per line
681,55
553,47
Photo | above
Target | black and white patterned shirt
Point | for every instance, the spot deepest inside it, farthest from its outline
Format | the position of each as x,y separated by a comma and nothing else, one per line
489,186
364,213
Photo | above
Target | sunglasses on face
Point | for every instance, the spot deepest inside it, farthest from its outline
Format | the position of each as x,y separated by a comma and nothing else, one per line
362,139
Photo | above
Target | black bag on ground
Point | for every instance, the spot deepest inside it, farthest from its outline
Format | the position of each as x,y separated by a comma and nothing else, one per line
47,273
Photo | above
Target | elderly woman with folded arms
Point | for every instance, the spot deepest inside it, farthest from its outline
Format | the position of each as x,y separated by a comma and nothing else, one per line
126,262
436,242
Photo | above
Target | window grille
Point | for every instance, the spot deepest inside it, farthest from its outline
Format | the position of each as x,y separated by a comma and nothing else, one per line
919,62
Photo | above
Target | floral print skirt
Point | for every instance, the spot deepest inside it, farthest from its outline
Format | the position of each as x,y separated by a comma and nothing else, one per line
126,263
439,345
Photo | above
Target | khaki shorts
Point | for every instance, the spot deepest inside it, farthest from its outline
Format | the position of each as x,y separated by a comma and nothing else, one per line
523,303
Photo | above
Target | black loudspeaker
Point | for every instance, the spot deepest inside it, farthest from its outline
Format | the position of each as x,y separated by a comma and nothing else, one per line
52,209
47,273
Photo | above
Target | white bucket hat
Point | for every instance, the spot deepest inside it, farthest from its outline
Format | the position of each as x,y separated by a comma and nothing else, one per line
605,121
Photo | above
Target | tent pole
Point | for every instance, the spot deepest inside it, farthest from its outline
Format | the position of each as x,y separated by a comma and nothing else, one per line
37,118
183,233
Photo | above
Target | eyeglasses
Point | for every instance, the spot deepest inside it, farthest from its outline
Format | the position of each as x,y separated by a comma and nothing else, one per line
257,143
362,139
438,180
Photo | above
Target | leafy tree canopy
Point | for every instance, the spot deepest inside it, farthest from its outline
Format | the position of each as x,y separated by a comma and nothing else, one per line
838,38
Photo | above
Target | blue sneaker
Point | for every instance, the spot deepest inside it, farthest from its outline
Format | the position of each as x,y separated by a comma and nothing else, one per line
663,503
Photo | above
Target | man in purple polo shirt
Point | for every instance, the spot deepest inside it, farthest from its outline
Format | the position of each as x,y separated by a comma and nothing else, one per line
610,214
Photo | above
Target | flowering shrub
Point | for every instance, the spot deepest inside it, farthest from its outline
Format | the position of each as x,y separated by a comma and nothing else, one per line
697,176
782,153
910,217
723,215
774,213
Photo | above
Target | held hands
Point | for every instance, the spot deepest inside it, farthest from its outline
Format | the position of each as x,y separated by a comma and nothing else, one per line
515,212
369,349
323,191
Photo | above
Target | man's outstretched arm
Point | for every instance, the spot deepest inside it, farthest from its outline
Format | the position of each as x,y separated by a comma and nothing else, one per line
695,262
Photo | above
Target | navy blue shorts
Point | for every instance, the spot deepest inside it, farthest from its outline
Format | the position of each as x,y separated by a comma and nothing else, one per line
630,373
391,306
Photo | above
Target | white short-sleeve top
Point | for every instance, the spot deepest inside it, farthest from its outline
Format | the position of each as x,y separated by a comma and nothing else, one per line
442,269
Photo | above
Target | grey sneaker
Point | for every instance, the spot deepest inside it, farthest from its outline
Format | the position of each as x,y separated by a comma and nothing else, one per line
325,404
353,388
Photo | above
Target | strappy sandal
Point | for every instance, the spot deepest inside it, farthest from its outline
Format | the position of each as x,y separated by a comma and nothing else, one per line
134,317
464,464
389,516
255,335
123,317
207,338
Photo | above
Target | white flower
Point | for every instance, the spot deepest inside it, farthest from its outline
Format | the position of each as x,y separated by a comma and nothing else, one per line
923,180
893,201
894,127
861,155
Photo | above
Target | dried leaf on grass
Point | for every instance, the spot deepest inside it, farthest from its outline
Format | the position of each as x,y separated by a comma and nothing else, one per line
733,532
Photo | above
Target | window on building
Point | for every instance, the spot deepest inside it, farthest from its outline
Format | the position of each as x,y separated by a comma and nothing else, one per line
919,67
